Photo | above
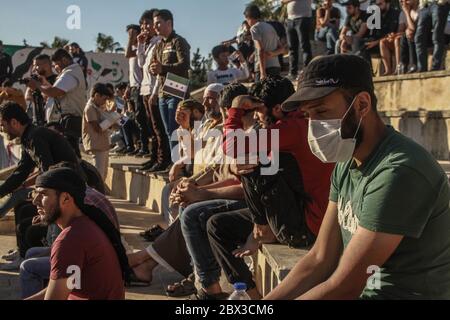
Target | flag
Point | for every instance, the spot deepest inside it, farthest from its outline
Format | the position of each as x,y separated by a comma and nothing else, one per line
176,86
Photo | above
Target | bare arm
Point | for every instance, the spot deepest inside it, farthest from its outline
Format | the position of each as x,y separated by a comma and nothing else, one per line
366,248
362,30
317,265
262,58
57,290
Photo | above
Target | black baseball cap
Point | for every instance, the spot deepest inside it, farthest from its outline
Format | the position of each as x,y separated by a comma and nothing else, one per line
354,3
326,74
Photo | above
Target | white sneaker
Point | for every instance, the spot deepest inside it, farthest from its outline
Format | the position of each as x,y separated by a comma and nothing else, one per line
13,266
11,255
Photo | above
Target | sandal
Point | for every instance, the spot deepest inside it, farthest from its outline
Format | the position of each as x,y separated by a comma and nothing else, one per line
134,281
184,288
152,233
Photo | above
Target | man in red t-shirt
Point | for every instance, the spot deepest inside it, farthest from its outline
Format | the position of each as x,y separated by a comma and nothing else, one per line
287,206
85,265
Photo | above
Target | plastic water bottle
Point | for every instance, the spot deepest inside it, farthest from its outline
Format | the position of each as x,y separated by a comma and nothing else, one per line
239,292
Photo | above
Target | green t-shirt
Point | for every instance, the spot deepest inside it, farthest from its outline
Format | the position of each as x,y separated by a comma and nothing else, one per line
400,189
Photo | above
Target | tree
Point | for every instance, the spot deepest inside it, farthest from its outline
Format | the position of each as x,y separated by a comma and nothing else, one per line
106,44
59,43
199,71
271,9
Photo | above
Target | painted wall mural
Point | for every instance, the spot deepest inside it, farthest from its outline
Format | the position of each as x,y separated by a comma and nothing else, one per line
103,67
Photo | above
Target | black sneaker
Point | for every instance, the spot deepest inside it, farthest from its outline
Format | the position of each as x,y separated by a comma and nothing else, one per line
132,152
157,167
143,154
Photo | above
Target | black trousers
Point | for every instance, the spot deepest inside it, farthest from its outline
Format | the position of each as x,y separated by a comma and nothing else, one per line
145,130
408,51
160,150
31,236
23,216
227,231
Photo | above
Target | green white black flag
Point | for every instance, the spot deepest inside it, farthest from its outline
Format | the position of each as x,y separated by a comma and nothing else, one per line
176,86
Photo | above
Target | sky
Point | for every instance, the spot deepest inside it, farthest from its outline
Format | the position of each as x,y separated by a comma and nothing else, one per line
204,23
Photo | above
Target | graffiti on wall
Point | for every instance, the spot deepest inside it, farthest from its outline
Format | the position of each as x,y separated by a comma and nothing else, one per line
103,67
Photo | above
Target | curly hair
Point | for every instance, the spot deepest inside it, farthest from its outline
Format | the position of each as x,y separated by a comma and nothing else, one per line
230,92
273,90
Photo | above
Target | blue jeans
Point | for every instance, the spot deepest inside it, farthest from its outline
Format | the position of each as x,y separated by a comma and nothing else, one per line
34,270
167,108
193,225
329,35
431,23
298,31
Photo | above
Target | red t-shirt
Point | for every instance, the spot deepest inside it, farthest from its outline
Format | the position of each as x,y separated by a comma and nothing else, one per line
293,138
83,244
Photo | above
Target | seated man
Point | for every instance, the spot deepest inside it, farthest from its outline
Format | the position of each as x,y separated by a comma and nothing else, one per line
354,32
327,25
286,206
389,202
224,74
41,147
87,259
35,269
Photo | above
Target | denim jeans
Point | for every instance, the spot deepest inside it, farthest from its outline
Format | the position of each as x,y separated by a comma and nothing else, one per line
431,23
330,36
34,270
193,225
167,108
298,31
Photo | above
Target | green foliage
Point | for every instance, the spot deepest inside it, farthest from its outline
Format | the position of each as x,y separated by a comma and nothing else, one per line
199,70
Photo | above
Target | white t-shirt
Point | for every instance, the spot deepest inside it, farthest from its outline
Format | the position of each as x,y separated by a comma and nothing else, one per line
67,82
228,76
135,72
149,83
267,35
299,9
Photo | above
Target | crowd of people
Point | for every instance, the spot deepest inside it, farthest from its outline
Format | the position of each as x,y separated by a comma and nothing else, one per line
338,189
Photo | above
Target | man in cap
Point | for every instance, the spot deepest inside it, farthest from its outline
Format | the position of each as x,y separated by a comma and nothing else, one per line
87,258
385,231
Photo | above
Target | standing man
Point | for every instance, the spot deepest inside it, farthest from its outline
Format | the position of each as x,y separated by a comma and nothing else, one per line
147,41
6,67
172,55
299,28
267,44
69,93
136,98
431,22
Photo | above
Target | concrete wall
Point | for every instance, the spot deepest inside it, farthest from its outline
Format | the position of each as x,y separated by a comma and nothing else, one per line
418,106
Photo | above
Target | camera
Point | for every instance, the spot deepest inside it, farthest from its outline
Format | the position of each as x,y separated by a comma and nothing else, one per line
25,81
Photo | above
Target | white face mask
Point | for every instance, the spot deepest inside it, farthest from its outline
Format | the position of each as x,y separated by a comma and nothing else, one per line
326,142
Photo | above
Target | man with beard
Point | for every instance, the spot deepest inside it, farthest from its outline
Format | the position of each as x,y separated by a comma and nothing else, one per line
43,106
87,259
41,147
389,202
69,92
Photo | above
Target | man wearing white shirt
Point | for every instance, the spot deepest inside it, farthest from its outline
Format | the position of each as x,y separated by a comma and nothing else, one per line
224,74
147,40
69,92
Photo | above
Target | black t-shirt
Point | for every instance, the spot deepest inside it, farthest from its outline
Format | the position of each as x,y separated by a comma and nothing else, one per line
355,24
389,23
6,66
335,15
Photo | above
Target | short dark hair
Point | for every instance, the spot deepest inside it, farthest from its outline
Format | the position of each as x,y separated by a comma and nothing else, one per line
252,11
134,27
122,86
12,110
43,57
148,14
102,89
165,14
76,45
110,86
230,92
217,50
351,93
59,54
273,90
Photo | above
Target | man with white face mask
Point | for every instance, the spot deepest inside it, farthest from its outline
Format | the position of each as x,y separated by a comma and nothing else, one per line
385,233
